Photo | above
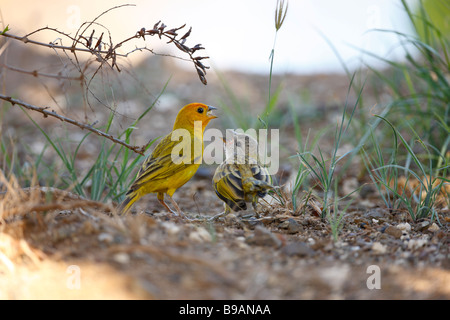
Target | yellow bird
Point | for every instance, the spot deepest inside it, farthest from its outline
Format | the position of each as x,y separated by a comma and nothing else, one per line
172,162
240,178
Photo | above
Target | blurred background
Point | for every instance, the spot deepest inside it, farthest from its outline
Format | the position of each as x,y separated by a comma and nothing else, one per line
239,34
400,62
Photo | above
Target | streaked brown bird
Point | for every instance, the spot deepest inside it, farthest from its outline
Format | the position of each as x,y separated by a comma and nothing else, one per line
240,178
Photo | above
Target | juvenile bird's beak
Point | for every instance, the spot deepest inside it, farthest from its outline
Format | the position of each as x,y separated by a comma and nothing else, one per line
209,113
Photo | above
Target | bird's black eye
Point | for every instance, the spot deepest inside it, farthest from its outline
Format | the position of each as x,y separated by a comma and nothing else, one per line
200,110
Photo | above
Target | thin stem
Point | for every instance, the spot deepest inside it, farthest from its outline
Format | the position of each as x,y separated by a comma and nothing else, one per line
53,114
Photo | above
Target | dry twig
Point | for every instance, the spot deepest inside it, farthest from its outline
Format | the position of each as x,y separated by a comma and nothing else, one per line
106,53
83,126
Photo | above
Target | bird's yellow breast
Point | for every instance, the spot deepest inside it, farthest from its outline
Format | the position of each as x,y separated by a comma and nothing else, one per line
170,184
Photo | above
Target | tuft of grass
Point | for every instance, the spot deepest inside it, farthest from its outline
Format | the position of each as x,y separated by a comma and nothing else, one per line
302,178
336,215
322,169
412,173
419,187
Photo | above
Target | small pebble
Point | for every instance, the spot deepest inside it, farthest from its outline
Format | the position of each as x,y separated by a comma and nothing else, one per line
297,249
393,231
263,237
105,237
291,226
378,248
171,228
414,244
376,213
404,226
434,227
122,258
200,235
422,226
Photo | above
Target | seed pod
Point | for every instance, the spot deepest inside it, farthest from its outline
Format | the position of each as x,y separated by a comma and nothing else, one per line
201,75
99,42
182,47
186,34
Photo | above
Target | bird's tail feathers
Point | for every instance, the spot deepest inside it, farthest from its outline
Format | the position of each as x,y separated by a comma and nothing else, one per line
130,199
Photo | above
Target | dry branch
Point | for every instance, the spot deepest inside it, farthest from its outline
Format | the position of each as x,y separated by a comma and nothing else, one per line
83,126
87,44
36,73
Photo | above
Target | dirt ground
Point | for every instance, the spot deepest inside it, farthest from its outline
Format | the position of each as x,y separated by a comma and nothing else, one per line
87,254
78,250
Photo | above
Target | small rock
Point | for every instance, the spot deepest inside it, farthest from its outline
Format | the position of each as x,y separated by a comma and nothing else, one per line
422,226
122,258
364,225
263,237
336,276
171,228
329,246
340,244
105,237
291,226
405,236
404,227
376,213
414,244
393,231
367,203
297,249
378,248
434,227
200,235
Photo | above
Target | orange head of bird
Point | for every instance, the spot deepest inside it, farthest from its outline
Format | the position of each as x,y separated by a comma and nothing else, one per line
193,112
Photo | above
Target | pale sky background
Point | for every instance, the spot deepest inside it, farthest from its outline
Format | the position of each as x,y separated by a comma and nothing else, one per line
237,34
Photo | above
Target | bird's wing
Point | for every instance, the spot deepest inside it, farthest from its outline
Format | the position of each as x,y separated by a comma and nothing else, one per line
255,179
160,165
228,186
261,173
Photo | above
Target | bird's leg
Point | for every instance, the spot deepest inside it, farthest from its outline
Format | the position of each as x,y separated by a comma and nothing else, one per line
160,197
222,214
181,213
254,203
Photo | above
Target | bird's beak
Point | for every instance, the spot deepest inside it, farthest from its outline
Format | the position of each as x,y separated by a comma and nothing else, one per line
209,113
